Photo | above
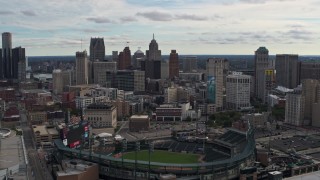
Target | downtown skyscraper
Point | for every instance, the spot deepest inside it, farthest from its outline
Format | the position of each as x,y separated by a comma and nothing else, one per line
81,68
217,69
97,49
173,64
124,61
97,53
6,55
288,70
152,64
12,61
261,63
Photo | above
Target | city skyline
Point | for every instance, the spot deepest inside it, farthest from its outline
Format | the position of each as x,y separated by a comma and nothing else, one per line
190,27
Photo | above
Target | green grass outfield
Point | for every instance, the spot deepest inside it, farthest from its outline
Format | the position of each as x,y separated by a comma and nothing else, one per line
164,157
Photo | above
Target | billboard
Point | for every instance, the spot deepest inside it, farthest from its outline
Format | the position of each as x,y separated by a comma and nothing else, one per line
73,135
211,90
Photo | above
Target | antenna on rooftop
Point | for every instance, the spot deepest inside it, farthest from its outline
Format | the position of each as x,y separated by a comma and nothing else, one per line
81,43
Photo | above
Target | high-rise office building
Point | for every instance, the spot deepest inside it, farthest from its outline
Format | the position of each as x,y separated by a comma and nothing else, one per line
12,61
81,68
309,91
7,55
315,108
269,83
100,69
171,94
173,64
294,111
310,70
1,65
60,80
97,53
238,91
97,49
261,63
190,64
216,68
124,61
138,56
152,69
288,70
152,64
153,54
115,56
19,63
127,80
165,70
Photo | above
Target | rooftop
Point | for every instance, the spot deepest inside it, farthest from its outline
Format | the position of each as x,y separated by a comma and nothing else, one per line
139,117
100,106
309,176
284,89
34,91
74,167
44,130
11,152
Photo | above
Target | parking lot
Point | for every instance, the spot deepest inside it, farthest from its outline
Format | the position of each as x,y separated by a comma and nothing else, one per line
298,143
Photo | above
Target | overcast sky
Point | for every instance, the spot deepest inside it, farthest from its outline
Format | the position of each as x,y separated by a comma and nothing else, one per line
56,27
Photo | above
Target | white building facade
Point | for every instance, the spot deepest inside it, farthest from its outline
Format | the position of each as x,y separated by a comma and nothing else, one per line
238,91
294,109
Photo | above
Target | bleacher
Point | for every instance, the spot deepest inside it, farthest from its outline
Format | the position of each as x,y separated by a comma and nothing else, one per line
212,155
221,148
176,146
232,137
227,141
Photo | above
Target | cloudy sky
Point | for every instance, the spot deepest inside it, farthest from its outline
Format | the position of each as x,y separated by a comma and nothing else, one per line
56,27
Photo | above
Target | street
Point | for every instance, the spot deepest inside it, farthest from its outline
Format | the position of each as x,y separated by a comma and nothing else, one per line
37,169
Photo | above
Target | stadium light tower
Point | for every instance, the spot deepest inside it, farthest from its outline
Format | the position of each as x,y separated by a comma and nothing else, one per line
123,149
151,149
135,164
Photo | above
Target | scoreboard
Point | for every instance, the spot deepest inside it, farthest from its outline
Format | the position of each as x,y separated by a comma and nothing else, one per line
74,135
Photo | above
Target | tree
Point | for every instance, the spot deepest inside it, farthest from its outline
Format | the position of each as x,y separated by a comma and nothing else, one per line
188,119
278,112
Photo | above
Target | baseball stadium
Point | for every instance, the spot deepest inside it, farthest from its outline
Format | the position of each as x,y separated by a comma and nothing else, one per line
194,158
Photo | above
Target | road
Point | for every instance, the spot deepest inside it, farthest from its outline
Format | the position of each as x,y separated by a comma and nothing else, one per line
36,168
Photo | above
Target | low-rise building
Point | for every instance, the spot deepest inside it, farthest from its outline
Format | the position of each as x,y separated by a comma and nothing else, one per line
29,85
76,170
139,123
83,102
258,120
123,108
7,94
44,135
11,118
37,118
101,115
168,112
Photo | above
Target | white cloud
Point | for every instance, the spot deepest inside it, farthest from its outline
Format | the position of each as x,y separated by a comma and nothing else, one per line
197,26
